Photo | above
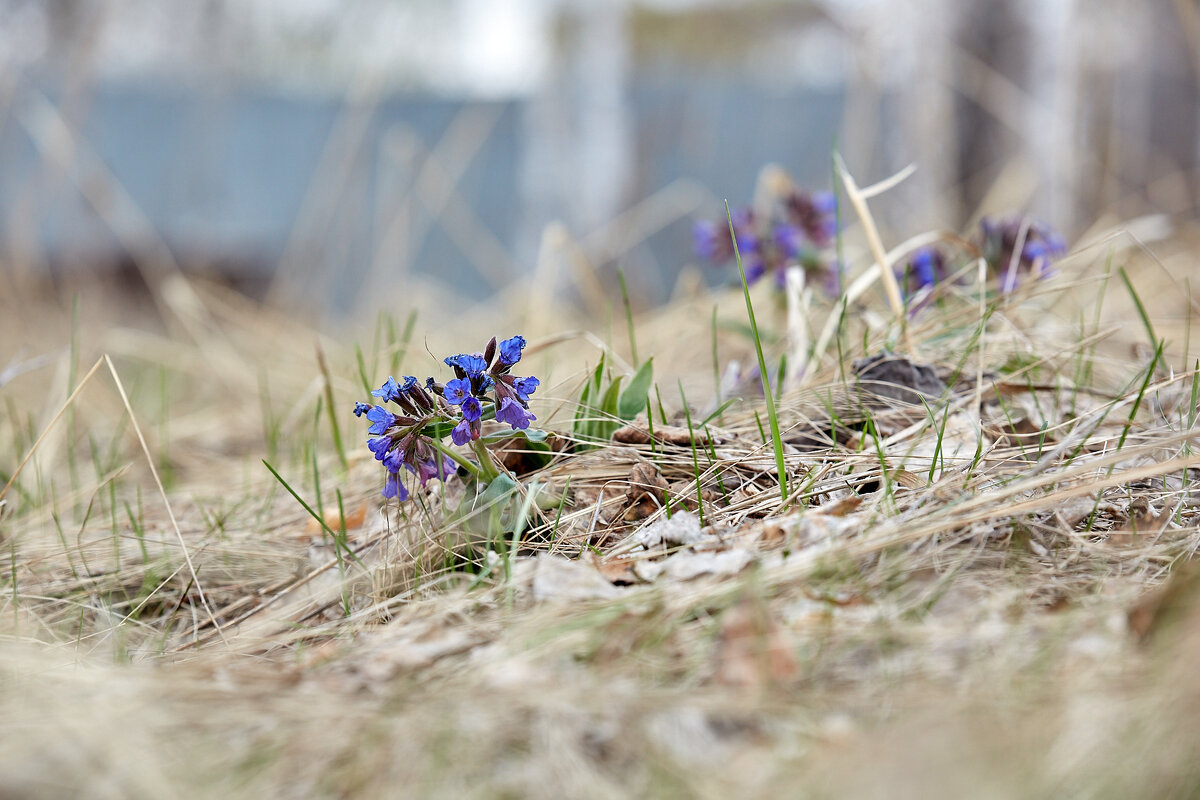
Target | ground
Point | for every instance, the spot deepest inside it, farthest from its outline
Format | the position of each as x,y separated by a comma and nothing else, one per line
978,583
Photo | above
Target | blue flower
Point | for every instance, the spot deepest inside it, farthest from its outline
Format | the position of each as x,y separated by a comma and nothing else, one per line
510,411
433,466
789,239
379,446
748,247
754,267
472,367
461,433
394,459
470,364
472,409
381,419
525,387
456,391
389,390
394,487
510,350
1043,249
815,214
398,440
468,429
998,240
925,268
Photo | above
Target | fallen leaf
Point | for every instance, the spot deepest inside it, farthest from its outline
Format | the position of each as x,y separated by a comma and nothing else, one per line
333,520
646,492
906,479
1075,510
841,508
686,566
638,432
897,378
683,493
559,579
771,535
681,528
1022,433
617,570
645,480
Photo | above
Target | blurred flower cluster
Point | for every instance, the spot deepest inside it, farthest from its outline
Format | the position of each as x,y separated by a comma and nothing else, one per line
1013,246
798,230
482,388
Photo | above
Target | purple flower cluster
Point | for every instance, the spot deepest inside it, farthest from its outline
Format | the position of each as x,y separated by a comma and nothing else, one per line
403,440
999,239
799,230
477,374
924,269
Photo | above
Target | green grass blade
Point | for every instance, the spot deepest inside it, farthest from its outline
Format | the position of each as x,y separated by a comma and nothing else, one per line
334,429
362,371
695,456
772,415
1141,309
306,506
628,316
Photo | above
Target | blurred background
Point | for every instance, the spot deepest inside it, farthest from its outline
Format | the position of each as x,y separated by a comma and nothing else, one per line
332,154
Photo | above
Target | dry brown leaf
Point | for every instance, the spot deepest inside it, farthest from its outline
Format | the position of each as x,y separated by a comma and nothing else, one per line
333,520
645,480
906,479
841,508
1022,433
771,535
683,493
646,492
638,432
1145,519
616,570
516,457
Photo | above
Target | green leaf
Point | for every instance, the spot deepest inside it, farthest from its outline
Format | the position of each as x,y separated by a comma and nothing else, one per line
611,398
531,440
486,513
495,492
633,399
602,428
437,430
531,435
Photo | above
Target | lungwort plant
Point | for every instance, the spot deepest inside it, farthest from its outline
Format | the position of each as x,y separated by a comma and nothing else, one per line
409,436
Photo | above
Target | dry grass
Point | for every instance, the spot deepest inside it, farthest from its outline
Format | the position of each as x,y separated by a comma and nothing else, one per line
978,595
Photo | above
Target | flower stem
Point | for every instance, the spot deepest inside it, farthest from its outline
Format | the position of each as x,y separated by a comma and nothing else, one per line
459,459
488,468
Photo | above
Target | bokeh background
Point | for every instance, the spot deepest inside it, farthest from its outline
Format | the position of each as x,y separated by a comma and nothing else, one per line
335,154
